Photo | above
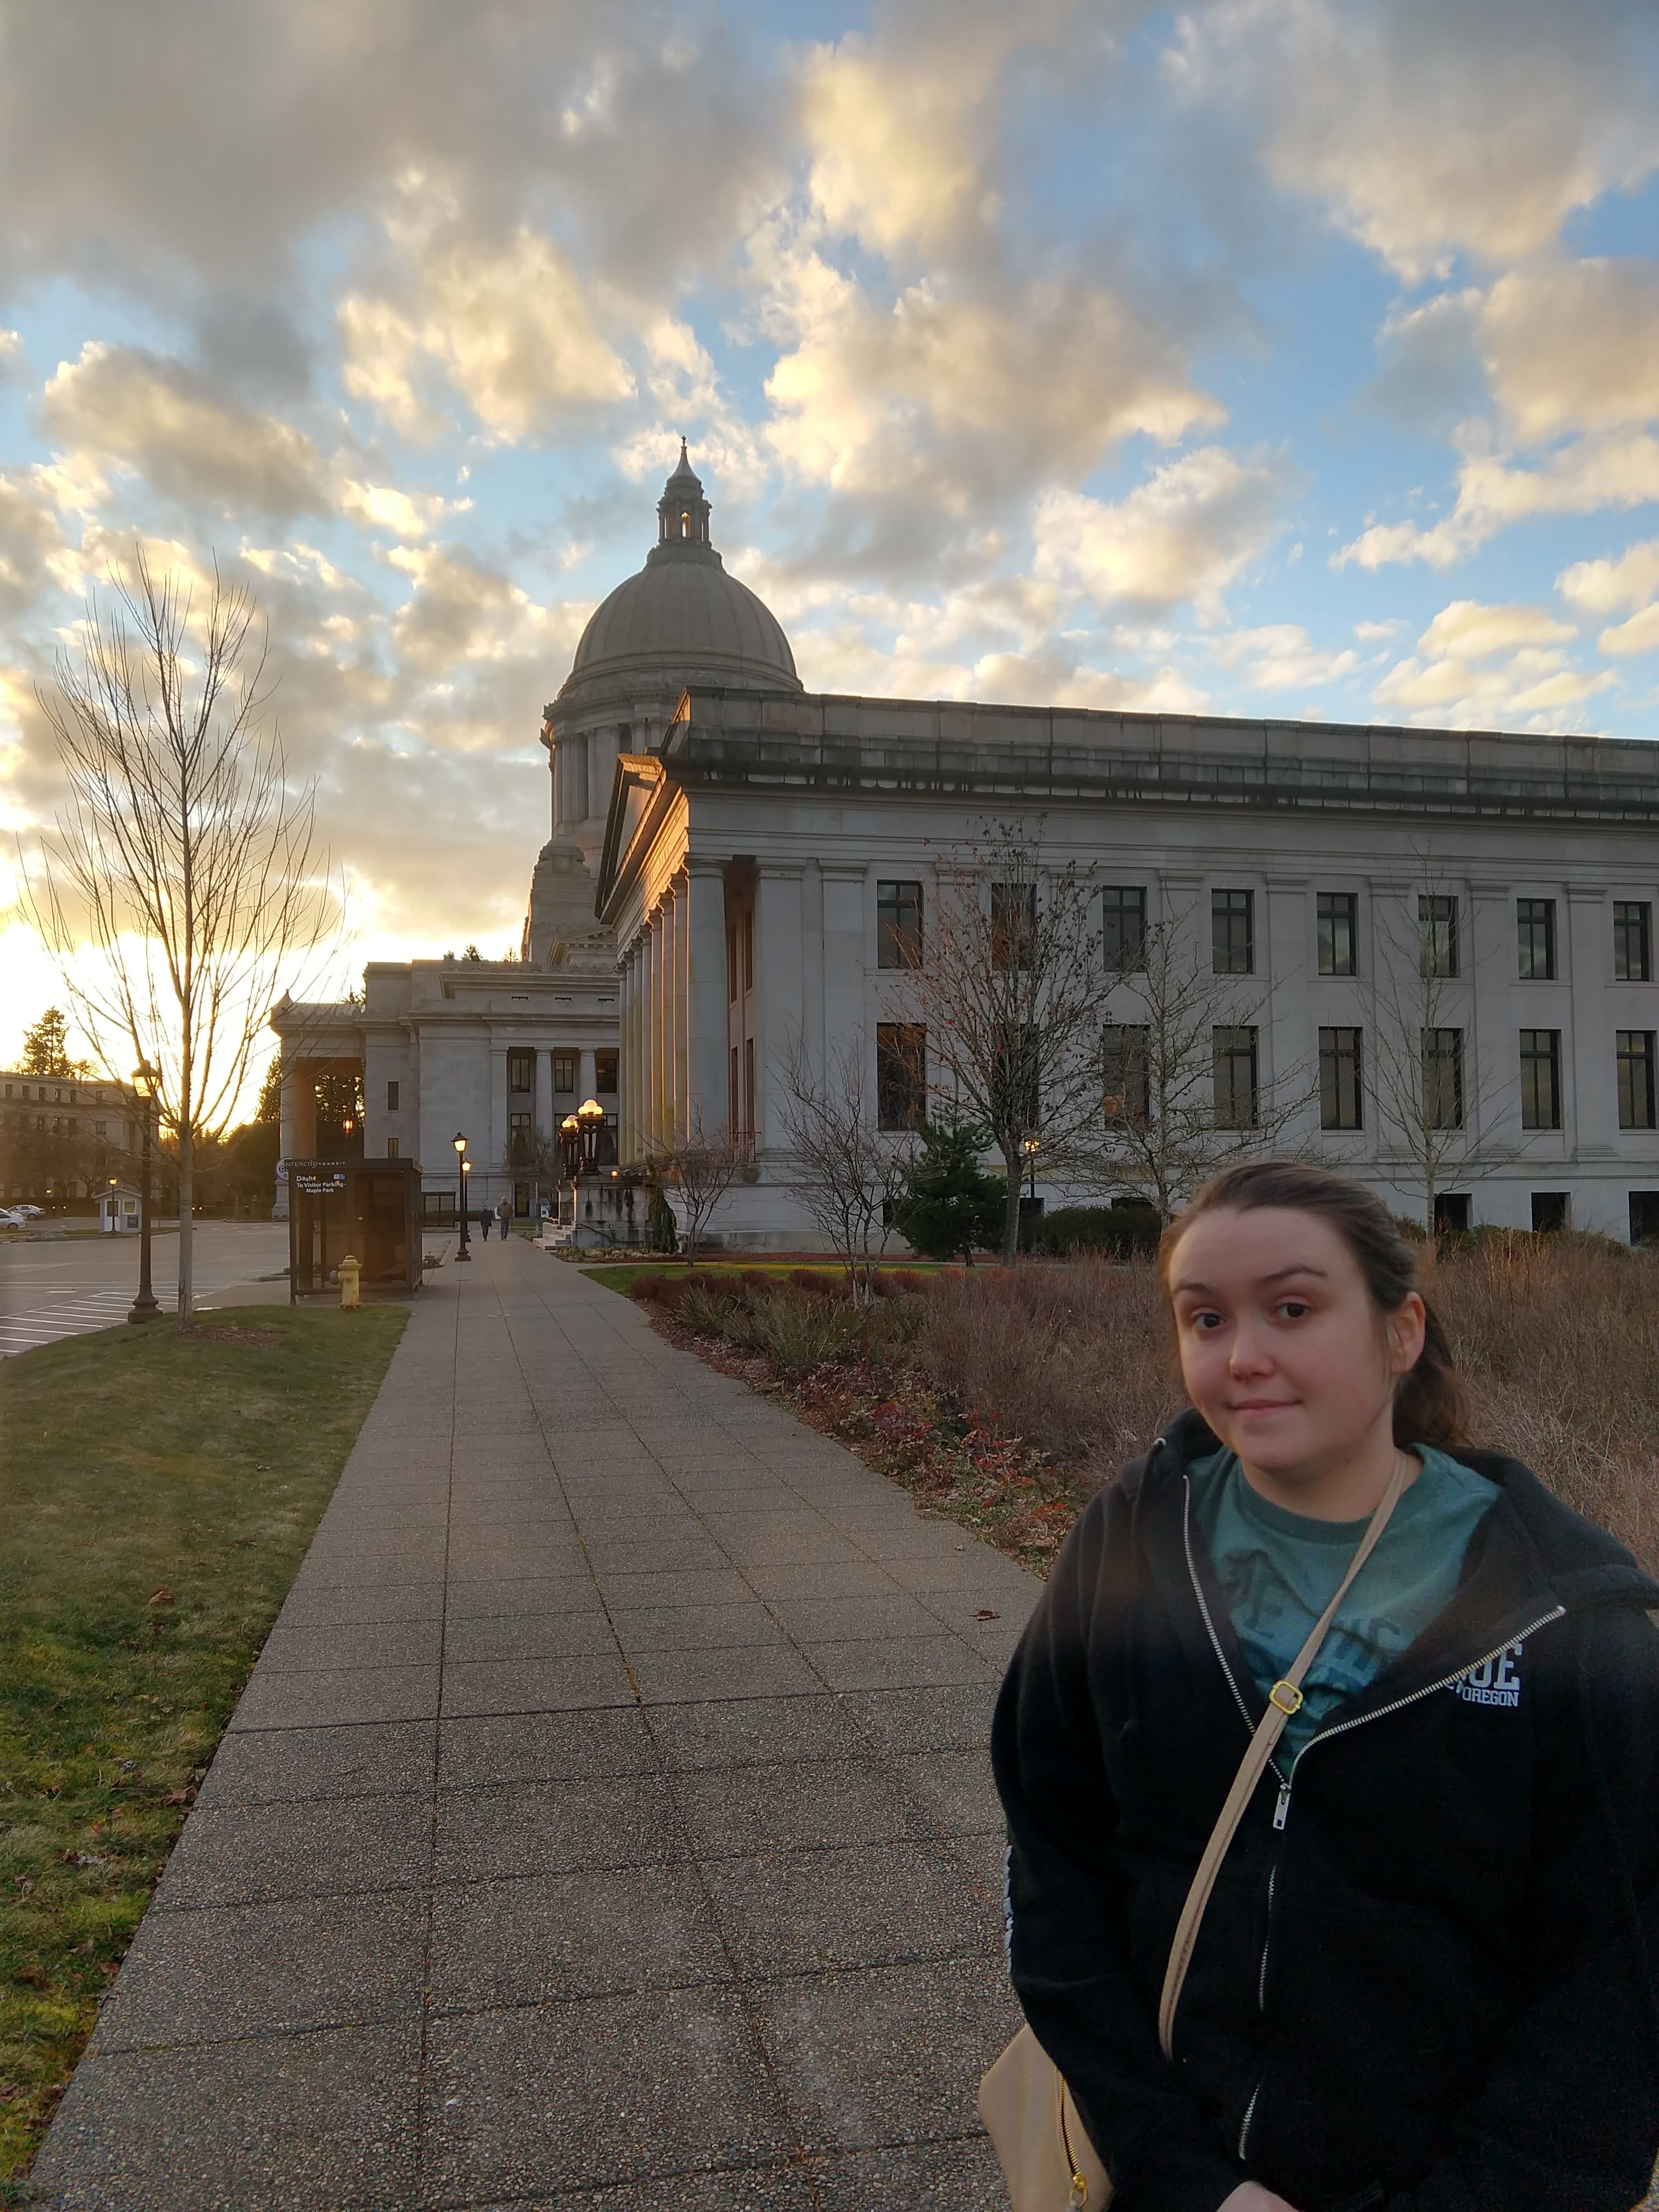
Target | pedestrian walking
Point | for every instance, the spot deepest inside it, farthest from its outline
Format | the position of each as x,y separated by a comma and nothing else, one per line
504,1215
485,1217
1330,1759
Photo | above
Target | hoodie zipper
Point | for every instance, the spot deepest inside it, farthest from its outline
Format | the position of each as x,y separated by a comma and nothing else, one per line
1282,1806
1342,1728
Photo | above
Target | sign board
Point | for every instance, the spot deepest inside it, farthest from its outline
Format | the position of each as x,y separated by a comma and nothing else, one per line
318,1182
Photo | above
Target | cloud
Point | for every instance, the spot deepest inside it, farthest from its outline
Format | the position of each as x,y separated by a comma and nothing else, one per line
1282,657
165,422
1187,533
1426,132
1533,688
960,397
511,332
1474,632
897,131
1602,587
1618,470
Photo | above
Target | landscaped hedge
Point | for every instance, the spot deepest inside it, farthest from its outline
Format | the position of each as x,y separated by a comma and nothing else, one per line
1120,1231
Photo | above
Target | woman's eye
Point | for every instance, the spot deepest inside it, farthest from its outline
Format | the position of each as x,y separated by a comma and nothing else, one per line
1205,1321
1294,1309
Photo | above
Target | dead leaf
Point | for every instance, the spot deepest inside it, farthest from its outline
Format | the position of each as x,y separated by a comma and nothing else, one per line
178,1797
163,1597
986,1614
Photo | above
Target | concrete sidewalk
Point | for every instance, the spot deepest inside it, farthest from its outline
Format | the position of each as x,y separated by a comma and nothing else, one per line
607,1821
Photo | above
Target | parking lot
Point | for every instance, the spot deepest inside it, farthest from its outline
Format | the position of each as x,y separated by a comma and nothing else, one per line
51,1288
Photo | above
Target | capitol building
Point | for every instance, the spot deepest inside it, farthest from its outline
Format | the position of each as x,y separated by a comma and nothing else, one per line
729,852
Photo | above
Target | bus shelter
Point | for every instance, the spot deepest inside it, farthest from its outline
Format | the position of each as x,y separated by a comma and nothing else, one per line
369,1208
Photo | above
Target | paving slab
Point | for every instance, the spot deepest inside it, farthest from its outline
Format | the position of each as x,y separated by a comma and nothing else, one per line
607,1820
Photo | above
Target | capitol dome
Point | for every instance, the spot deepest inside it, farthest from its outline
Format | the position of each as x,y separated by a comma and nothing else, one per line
682,615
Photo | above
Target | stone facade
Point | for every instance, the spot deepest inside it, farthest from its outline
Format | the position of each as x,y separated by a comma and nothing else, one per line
742,858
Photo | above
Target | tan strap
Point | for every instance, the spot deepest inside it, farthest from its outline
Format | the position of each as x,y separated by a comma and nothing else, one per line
1283,1699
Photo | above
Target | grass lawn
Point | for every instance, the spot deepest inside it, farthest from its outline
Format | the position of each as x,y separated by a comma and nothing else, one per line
157,1494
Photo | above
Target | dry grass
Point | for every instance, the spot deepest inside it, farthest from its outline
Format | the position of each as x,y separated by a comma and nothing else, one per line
1558,1341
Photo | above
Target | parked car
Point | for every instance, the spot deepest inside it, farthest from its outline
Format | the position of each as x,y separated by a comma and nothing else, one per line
29,1212
13,1216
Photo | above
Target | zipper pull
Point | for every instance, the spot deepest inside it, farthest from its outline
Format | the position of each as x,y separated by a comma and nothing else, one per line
1281,1811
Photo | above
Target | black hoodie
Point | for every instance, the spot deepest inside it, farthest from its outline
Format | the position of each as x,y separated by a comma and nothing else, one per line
1425,1976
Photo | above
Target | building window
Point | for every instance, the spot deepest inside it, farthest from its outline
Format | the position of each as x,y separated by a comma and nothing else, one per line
520,1069
1232,940
604,1073
1123,926
898,924
392,1148
1437,929
1013,925
1643,1216
1451,1213
749,1085
1126,1073
1534,931
1340,1087
748,949
1635,1048
101,1129
391,1100
1632,941
731,961
1442,1078
1236,1092
1338,913
900,1074
518,1139
564,1071
1549,1212
1540,1078
732,1118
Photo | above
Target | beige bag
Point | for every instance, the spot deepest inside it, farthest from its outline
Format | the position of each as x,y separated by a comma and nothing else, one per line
1035,2129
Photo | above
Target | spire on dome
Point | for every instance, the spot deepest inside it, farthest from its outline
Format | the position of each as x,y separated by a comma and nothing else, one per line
683,514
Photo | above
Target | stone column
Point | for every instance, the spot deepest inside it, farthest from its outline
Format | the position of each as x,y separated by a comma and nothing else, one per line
495,1158
705,1000
586,1078
1589,1063
681,1010
778,990
659,1031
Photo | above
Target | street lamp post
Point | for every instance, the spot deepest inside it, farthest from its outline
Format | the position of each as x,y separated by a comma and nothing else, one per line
144,1307
570,1138
1030,1146
464,1170
590,1119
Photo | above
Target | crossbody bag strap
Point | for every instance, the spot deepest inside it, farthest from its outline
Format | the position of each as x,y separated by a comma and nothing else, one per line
1283,1699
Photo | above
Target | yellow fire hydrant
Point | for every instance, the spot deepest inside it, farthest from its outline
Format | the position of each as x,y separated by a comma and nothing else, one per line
350,1270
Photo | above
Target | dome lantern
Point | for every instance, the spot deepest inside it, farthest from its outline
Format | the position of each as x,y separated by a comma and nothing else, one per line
683,511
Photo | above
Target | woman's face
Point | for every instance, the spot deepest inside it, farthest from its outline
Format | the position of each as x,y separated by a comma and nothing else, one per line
1282,1350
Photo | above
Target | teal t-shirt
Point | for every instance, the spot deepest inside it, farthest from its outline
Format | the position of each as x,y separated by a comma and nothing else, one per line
1279,1570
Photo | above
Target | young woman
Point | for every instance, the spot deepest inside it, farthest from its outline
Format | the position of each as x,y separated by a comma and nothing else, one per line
1425,1976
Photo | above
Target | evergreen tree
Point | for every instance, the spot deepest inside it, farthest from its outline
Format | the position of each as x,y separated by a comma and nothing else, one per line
951,1206
46,1047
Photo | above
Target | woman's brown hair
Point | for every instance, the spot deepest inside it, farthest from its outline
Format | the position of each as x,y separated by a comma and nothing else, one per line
1429,1405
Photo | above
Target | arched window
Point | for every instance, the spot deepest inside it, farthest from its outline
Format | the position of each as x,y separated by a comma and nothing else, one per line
685,523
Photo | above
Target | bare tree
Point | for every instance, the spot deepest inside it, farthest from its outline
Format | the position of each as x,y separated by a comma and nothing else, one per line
183,883
701,1171
1431,1093
848,1172
1181,1091
1006,979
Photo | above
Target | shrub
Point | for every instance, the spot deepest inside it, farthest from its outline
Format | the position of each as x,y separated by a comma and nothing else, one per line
951,1206
1121,1230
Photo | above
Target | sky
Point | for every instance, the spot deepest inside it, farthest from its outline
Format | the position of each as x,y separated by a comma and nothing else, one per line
1296,358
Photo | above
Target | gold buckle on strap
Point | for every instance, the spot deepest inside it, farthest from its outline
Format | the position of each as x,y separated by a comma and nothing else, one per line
1286,1697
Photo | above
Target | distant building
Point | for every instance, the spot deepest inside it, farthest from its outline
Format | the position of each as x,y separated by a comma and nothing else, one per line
729,855
63,1136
